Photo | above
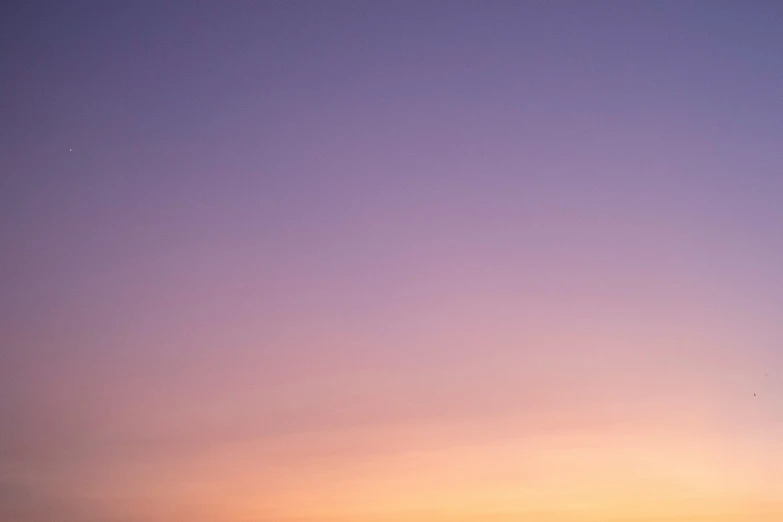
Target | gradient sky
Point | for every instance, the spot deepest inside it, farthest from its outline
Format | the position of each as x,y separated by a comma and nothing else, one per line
391,261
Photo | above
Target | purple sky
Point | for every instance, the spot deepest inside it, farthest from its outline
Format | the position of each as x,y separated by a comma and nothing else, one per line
411,261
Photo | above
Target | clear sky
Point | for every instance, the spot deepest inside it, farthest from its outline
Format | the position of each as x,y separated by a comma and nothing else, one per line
391,261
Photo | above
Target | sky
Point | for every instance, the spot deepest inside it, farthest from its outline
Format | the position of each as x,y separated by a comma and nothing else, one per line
391,261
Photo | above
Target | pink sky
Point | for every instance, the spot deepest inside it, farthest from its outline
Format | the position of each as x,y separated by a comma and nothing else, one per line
391,262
